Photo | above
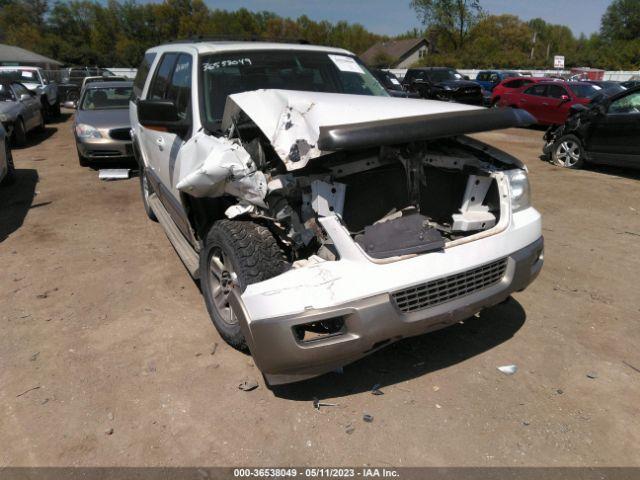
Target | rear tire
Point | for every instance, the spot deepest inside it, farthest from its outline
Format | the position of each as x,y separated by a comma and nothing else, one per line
10,177
146,191
568,152
19,133
240,253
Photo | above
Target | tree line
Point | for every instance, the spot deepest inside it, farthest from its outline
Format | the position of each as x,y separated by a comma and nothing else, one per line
461,33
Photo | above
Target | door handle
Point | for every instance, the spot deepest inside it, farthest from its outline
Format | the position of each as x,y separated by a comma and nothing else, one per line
545,104
160,143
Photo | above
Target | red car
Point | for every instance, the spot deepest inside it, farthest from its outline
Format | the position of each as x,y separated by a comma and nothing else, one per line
550,101
511,84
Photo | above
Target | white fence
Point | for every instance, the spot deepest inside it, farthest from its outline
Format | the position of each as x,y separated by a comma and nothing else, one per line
124,72
619,75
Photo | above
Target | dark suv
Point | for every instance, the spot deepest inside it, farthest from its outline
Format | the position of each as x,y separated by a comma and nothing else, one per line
442,83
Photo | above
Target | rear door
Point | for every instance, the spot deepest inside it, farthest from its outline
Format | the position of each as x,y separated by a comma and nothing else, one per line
531,100
615,137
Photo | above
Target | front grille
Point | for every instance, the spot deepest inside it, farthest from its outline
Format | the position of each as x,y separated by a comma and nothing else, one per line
449,288
105,153
120,133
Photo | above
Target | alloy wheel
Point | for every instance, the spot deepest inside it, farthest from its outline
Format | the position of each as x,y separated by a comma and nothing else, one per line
221,280
568,153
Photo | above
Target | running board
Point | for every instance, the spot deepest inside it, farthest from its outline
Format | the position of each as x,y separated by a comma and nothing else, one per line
184,249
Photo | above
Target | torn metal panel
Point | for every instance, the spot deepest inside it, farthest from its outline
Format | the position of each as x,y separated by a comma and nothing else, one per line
327,198
227,168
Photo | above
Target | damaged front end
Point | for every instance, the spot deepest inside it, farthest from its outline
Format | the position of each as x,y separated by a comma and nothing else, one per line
339,195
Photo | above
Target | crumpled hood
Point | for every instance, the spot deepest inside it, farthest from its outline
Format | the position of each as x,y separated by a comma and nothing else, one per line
292,120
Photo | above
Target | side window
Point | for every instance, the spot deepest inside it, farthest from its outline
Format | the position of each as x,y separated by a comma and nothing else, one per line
536,90
20,90
142,73
555,91
514,84
482,76
179,89
628,104
161,80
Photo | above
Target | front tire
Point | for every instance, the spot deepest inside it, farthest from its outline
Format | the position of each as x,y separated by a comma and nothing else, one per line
10,177
19,133
568,152
236,254
146,191
82,160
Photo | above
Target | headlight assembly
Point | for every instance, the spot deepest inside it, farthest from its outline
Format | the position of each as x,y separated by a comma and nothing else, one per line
520,190
4,117
87,131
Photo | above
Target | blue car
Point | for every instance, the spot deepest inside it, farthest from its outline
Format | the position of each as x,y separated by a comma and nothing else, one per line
490,78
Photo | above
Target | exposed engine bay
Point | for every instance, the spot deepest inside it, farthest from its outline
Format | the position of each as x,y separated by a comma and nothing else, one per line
395,200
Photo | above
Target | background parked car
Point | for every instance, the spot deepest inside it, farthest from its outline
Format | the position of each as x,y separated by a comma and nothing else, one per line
550,101
20,111
606,132
488,79
72,78
391,84
7,169
608,87
512,84
34,79
101,126
441,83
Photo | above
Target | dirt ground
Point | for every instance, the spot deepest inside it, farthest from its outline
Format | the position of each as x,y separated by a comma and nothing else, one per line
102,328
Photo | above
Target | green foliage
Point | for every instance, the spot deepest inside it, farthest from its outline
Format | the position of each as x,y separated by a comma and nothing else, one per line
621,21
450,19
117,33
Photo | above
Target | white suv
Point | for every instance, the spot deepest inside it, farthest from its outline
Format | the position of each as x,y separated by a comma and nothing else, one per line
324,218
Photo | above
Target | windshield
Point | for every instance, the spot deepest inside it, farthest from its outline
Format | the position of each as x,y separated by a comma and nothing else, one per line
106,98
6,95
443,75
585,91
225,74
22,76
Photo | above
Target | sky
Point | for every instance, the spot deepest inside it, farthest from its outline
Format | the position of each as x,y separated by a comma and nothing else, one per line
392,17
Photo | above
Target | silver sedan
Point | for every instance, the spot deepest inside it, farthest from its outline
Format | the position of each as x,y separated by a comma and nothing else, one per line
20,111
101,126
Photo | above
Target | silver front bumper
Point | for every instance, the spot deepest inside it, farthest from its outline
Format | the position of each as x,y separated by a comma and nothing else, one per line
375,322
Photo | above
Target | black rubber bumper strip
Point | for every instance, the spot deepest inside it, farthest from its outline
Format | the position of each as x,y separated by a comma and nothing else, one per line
423,127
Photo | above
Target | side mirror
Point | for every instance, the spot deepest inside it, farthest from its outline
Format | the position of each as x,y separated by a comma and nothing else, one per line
72,104
24,97
565,98
161,115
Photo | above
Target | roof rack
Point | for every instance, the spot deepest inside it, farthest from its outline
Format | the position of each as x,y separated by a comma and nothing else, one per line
239,38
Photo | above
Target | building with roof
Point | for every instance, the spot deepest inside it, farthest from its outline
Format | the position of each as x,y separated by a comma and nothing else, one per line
11,55
396,53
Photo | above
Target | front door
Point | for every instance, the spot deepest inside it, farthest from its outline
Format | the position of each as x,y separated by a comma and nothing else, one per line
615,137
31,103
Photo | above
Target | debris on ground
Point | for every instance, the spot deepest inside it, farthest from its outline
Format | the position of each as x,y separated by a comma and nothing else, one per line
109,431
34,357
215,347
317,404
631,366
248,385
110,416
349,429
508,369
592,375
559,391
375,390
367,418
27,391
526,423
114,173
436,388
438,405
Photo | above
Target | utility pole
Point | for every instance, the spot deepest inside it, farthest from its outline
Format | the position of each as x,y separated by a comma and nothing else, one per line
533,46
